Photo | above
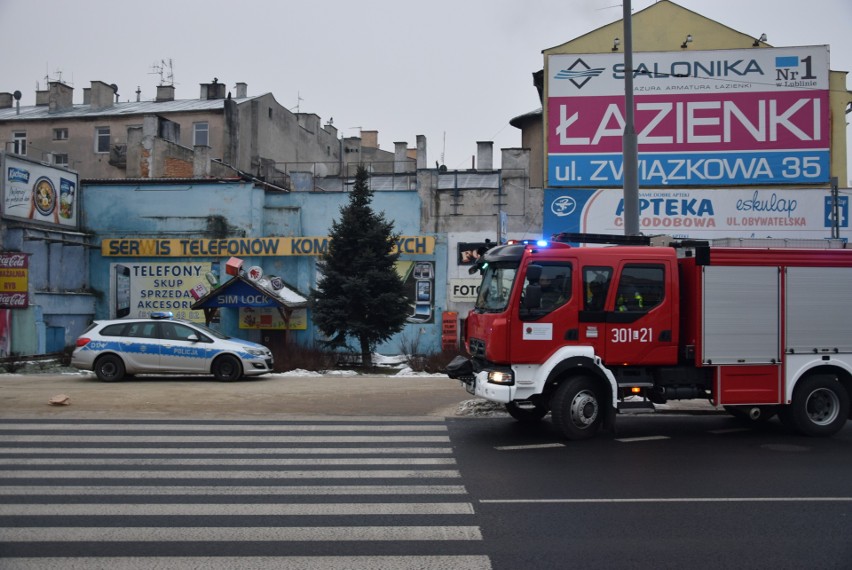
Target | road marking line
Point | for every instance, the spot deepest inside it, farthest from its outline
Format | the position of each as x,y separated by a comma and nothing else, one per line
681,500
729,430
217,450
229,509
237,534
91,463
377,438
536,446
462,562
229,490
227,428
220,474
647,438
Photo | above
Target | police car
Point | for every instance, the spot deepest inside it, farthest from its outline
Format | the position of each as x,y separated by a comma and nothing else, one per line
161,344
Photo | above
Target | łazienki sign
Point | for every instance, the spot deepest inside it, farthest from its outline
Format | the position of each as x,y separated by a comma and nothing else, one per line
255,247
714,118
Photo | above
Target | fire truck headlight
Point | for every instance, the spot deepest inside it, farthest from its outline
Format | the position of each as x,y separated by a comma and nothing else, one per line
501,377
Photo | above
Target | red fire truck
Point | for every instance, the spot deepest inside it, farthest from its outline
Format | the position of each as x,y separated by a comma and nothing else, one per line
587,333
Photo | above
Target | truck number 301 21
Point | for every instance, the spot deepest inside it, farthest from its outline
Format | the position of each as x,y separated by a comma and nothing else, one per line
644,334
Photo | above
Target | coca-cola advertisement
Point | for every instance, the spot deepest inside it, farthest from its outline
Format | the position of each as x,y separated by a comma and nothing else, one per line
14,280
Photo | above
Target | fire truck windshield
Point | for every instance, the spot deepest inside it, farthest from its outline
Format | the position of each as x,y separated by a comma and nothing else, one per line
495,287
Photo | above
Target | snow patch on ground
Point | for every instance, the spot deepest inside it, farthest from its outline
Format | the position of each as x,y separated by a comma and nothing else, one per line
481,408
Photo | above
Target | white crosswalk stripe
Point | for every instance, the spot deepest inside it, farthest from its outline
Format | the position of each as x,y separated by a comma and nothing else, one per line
309,494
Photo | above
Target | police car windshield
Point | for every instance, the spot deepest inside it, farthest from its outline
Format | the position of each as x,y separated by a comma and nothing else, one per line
496,285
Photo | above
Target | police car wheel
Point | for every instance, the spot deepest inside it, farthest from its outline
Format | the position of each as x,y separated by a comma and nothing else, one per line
109,368
227,368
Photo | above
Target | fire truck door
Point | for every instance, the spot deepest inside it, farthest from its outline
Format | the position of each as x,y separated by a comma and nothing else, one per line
639,317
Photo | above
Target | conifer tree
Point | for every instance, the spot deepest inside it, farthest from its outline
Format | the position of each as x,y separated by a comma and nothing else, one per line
360,294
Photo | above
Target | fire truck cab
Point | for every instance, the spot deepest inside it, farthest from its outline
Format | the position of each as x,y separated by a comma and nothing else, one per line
586,333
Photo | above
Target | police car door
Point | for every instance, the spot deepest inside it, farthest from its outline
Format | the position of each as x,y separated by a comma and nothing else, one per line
640,315
140,346
182,349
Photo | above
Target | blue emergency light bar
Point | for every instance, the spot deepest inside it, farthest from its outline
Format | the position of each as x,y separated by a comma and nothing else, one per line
162,315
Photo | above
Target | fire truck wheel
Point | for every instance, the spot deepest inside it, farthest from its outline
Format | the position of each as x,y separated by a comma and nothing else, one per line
576,408
820,406
530,413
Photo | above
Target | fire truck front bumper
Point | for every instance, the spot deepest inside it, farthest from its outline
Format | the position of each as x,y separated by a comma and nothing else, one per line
495,384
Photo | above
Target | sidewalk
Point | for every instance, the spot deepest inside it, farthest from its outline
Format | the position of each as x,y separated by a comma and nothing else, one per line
271,395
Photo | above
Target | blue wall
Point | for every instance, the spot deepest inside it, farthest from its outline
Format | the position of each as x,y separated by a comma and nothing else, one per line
239,209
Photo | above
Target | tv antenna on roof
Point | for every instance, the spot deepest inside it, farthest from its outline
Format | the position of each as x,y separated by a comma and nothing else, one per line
165,70
298,101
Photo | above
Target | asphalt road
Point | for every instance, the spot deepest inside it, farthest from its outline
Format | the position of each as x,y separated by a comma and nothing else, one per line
672,490
665,491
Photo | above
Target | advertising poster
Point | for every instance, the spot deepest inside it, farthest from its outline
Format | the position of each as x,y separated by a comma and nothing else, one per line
39,193
699,213
14,280
139,289
270,318
468,252
703,118
419,281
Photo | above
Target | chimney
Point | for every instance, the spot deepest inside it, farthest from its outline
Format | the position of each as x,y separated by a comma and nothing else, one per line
213,90
87,95
5,100
242,90
400,149
102,95
370,139
165,93
60,97
421,152
42,98
485,155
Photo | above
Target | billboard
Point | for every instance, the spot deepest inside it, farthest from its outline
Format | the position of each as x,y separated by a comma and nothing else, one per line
139,289
36,192
703,118
699,213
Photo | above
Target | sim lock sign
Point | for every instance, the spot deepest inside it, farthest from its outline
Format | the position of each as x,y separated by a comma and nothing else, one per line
842,210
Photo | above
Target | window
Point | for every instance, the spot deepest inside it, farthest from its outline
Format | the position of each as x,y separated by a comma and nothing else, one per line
596,285
60,159
19,142
101,139
640,288
200,134
546,288
141,330
60,134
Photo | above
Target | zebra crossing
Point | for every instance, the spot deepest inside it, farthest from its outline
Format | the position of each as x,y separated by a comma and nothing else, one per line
239,494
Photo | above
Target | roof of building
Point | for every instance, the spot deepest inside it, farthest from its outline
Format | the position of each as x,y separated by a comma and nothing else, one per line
129,108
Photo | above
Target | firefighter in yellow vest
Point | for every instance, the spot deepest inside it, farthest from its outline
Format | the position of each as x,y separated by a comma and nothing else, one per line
629,300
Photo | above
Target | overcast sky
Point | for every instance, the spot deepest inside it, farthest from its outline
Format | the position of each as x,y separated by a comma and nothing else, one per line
456,71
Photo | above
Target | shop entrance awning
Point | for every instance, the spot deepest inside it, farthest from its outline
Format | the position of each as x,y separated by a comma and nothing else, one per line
240,291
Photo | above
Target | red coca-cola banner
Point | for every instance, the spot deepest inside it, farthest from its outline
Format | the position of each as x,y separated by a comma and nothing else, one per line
14,280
